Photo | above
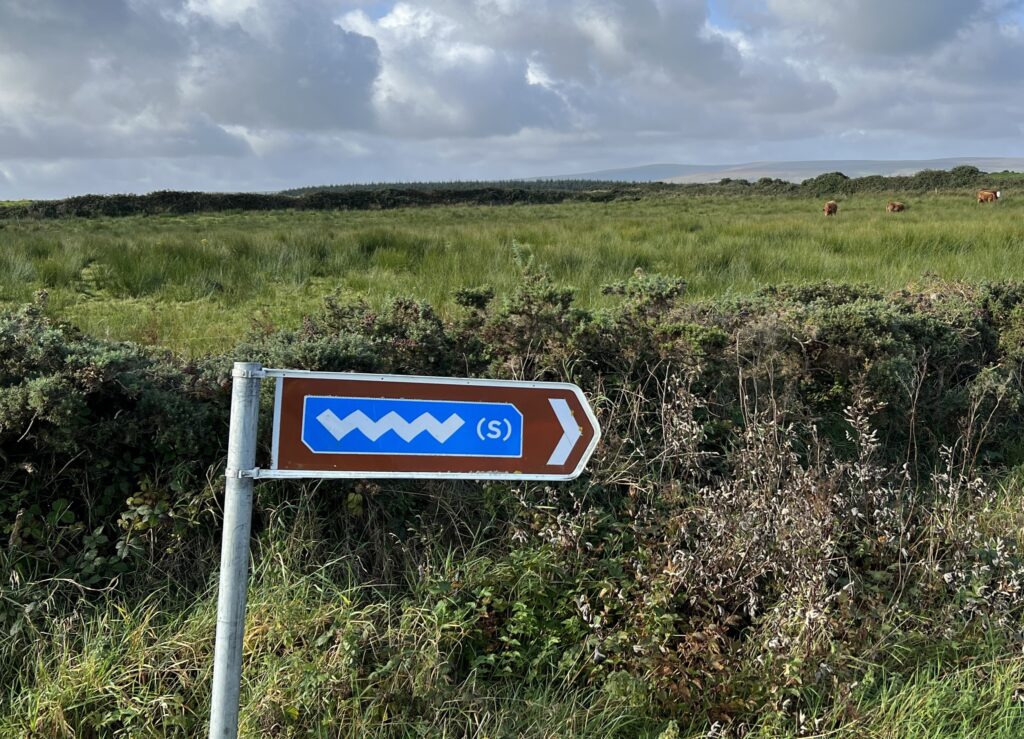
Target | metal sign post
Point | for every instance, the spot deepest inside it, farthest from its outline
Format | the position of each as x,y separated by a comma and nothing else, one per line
341,425
234,551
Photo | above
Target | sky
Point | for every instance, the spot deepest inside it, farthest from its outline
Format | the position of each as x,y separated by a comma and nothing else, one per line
256,95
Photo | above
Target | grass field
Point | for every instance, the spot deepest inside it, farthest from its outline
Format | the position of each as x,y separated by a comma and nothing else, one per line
194,283
416,610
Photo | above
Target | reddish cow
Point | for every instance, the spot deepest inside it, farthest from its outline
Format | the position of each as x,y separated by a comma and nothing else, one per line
988,196
831,208
895,207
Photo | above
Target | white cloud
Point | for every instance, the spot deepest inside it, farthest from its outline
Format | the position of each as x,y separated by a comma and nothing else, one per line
437,79
477,67
226,12
253,94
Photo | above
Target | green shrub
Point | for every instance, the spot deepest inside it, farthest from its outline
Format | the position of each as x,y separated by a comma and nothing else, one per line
100,442
787,482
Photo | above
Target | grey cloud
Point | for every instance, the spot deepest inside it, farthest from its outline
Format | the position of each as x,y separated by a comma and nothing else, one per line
987,56
969,87
494,99
309,73
140,77
63,139
87,59
919,73
882,26
776,95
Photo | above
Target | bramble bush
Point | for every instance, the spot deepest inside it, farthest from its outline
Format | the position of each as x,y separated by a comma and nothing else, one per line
787,483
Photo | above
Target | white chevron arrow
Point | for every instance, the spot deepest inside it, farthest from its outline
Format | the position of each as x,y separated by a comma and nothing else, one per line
571,432
339,428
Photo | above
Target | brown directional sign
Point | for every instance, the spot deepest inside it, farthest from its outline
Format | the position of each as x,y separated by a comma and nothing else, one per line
353,425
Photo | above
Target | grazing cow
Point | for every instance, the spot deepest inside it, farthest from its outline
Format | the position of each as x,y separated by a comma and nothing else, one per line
895,207
831,208
988,196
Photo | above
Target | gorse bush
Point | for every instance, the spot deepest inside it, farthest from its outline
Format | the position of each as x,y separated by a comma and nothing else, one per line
100,443
789,484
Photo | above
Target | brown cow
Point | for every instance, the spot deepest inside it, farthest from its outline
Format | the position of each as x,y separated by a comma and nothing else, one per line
988,196
895,207
831,208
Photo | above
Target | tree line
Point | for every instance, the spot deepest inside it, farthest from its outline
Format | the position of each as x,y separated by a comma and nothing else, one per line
383,197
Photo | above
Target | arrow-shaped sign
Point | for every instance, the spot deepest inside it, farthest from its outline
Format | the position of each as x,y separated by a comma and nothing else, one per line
351,425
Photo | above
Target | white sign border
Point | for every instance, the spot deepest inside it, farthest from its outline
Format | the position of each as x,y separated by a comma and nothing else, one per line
275,474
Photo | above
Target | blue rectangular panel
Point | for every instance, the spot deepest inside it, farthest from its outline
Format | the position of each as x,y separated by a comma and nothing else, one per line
446,428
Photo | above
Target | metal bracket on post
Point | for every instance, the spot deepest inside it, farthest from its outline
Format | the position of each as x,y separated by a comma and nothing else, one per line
234,554
248,371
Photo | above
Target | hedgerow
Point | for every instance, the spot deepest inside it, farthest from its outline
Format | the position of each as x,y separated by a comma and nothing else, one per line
168,202
427,194
787,483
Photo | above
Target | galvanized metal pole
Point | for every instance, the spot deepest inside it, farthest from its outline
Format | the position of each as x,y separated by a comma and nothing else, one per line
234,553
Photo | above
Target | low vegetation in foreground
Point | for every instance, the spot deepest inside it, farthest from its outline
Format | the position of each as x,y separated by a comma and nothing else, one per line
803,520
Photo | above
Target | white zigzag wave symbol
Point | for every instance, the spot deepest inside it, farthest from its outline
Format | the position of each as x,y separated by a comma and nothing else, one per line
339,428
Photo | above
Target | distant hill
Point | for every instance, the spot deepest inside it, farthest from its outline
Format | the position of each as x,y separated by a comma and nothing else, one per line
645,173
790,171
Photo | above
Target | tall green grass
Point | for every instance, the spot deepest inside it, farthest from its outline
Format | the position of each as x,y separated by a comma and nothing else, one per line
194,282
324,656
327,657
977,697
